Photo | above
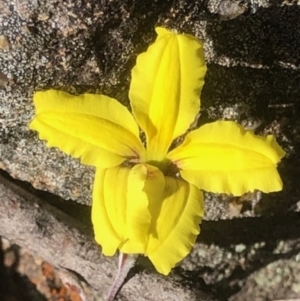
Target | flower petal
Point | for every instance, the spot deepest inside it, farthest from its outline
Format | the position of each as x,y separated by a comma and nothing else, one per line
108,206
165,88
175,224
120,213
94,127
223,157
145,185
145,213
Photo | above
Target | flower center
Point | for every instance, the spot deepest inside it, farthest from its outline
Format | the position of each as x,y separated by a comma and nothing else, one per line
166,167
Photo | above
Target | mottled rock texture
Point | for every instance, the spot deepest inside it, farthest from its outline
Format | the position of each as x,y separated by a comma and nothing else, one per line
252,51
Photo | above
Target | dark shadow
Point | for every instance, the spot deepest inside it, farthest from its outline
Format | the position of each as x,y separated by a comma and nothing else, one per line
285,226
78,211
264,90
14,286
267,37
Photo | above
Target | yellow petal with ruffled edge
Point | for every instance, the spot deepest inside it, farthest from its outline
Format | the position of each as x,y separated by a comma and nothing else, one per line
94,127
223,157
175,224
165,89
139,211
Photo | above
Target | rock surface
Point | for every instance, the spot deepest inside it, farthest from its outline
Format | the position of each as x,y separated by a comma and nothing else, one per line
252,51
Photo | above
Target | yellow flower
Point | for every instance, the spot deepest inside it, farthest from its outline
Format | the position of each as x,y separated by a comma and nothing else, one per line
143,206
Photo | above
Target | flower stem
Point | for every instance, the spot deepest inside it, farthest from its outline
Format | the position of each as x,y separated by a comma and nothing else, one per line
126,262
